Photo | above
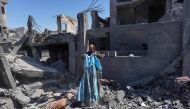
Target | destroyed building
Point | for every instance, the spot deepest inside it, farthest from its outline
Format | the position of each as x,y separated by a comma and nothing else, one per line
67,24
141,38
3,19
54,48
43,54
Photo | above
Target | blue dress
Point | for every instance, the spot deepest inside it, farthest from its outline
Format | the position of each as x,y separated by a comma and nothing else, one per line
88,88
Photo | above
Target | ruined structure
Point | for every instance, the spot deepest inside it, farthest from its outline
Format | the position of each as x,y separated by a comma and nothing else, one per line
53,48
3,17
146,47
66,24
142,38
5,72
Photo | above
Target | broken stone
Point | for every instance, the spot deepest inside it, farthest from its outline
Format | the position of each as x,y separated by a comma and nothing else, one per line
17,95
27,67
73,91
120,95
2,91
41,84
70,96
38,93
155,104
177,104
6,103
138,100
57,94
112,104
26,90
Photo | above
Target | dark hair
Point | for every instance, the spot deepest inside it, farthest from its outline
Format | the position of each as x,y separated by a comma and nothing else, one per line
92,44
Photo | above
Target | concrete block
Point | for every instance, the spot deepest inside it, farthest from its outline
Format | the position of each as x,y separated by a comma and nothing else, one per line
5,71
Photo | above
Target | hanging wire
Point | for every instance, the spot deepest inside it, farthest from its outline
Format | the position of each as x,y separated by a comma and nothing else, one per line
93,6
36,26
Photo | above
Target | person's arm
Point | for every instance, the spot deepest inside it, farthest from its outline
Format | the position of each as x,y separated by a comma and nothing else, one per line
99,55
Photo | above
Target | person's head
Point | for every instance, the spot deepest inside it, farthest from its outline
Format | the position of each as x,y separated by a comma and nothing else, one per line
92,48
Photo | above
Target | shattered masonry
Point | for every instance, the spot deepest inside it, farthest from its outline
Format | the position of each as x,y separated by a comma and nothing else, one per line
146,63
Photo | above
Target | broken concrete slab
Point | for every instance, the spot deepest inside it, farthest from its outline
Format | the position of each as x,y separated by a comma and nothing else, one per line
112,104
38,93
18,95
27,90
5,71
6,103
41,84
27,67
120,95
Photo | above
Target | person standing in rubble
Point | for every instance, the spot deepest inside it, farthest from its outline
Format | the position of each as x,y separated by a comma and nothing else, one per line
88,91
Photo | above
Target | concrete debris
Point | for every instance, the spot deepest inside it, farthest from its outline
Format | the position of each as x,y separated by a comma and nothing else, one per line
120,95
6,103
127,39
38,93
27,67
41,84
159,94
27,90
18,95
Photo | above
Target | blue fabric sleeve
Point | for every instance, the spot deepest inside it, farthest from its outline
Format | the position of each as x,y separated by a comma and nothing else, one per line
98,64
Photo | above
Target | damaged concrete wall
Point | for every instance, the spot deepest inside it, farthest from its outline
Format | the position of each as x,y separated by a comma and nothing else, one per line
164,45
66,24
128,37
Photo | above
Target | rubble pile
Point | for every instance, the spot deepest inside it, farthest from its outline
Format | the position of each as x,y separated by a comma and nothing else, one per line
167,92
163,93
47,94
28,67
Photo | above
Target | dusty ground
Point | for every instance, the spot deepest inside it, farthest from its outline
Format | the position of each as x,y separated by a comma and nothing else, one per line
161,93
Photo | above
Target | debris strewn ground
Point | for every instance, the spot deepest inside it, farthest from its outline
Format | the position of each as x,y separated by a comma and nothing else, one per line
168,92
28,67
53,82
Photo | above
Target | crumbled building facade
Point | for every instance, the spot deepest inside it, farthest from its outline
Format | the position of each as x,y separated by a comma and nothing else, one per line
140,38
146,46
66,24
